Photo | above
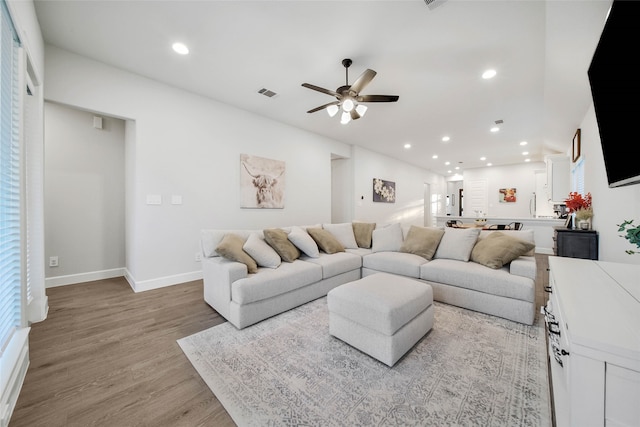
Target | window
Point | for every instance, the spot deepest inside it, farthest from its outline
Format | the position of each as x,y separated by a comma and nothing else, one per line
577,177
10,185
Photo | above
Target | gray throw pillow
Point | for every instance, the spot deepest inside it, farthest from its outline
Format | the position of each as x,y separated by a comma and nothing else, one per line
422,241
279,240
387,239
457,243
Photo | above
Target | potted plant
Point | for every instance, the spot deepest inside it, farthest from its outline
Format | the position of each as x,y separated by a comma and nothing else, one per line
580,206
632,234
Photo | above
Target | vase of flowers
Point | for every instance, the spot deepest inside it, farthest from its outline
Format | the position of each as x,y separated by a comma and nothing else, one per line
580,206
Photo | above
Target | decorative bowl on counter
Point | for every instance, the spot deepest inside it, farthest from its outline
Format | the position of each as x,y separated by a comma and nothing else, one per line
481,221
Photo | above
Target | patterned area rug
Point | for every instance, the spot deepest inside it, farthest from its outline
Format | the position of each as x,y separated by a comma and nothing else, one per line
471,369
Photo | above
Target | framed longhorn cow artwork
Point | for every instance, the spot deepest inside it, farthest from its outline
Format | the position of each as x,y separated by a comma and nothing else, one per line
262,182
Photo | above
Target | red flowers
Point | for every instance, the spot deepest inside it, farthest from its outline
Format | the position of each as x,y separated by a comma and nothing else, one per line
576,202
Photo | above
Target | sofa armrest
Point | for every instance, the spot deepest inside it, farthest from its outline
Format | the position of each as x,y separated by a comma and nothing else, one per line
218,276
524,266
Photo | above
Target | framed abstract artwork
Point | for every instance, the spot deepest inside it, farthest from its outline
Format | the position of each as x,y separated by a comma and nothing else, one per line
262,182
384,191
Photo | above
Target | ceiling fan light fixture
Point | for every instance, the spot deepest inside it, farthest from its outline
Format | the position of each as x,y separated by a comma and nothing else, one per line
361,109
332,110
348,105
346,118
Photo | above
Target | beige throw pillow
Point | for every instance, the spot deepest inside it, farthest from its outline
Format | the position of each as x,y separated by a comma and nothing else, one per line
279,240
230,247
422,241
325,240
499,249
363,232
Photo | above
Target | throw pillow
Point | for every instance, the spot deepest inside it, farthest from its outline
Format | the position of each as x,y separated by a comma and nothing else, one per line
344,233
231,248
278,240
499,249
299,237
526,235
422,241
325,240
388,238
363,231
261,252
457,243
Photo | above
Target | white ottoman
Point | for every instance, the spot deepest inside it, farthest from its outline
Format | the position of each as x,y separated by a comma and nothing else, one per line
382,315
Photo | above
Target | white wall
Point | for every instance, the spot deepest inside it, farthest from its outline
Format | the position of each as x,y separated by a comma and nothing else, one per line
521,177
184,144
84,195
610,205
410,180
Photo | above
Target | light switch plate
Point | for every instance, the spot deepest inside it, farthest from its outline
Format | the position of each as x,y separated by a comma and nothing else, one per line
154,199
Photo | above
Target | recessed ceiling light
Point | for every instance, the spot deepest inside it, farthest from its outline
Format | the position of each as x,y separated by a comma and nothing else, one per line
447,163
489,74
524,143
180,48
489,164
495,129
525,153
449,171
435,156
527,160
407,146
457,168
483,158
445,139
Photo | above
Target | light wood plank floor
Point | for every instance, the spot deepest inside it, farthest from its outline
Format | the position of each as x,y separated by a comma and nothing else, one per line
107,356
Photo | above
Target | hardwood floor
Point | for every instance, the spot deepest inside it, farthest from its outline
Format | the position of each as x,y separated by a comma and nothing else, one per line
107,356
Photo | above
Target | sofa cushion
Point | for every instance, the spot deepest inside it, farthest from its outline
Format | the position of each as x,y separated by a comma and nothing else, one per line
471,275
499,249
338,263
301,239
279,240
401,263
526,235
344,233
388,238
210,239
457,243
231,248
363,232
422,241
325,240
272,282
261,252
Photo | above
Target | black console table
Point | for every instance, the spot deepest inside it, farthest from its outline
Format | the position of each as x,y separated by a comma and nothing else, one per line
575,243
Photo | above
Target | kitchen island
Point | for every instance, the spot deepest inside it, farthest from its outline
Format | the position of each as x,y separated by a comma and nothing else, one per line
543,228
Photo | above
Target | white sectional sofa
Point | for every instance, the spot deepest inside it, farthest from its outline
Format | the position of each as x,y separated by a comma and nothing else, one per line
262,273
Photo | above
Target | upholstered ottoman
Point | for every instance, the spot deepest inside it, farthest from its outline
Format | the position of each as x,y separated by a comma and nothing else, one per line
382,315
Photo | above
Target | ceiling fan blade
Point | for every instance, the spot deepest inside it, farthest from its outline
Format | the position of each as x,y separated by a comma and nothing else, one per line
364,79
322,107
321,89
377,98
354,115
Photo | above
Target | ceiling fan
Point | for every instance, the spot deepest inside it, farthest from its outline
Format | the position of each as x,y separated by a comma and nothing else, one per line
348,96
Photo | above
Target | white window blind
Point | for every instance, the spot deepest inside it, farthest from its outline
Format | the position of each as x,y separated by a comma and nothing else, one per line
10,249
577,177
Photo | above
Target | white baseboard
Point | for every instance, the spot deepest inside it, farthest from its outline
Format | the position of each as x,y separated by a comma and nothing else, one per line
136,285
14,362
161,282
71,279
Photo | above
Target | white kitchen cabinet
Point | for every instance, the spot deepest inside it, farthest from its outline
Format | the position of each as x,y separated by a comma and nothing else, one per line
558,177
593,322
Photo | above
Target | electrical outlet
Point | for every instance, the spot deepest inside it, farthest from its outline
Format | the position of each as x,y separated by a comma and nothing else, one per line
198,257
53,261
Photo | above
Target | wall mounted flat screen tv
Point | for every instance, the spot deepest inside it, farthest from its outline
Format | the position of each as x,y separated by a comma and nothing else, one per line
614,76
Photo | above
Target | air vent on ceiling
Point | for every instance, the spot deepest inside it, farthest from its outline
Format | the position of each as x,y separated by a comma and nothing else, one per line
267,92
432,4
499,122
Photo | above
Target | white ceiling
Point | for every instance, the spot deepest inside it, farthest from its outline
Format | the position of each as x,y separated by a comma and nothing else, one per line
432,57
